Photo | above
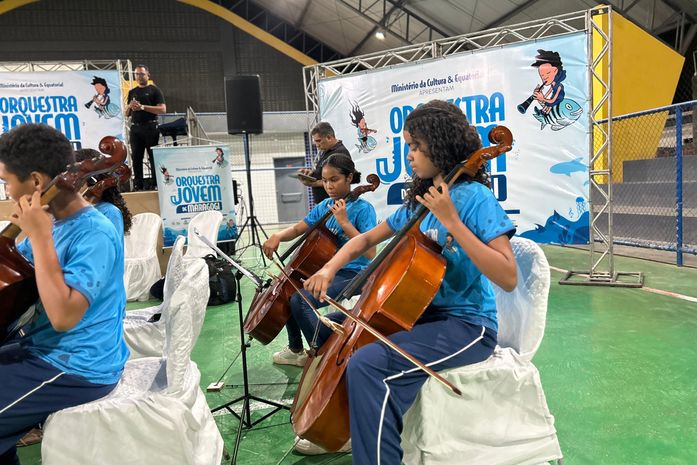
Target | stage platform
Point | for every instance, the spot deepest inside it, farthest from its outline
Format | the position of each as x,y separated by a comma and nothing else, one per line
137,202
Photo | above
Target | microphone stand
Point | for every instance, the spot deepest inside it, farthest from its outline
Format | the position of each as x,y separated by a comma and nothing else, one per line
245,417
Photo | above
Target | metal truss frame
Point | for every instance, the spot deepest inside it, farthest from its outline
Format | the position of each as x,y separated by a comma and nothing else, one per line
600,171
468,43
601,271
679,20
124,68
387,13
67,65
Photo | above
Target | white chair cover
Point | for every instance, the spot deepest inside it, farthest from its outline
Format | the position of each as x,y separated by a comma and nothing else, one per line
346,303
142,267
502,417
146,339
157,413
208,224
522,313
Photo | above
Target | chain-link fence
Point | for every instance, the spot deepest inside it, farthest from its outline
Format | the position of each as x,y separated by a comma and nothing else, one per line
654,199
284,147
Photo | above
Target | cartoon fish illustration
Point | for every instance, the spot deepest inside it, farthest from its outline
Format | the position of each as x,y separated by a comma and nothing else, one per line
560,116
568,167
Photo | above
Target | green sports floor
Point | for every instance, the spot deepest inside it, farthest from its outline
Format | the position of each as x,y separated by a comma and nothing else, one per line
618,365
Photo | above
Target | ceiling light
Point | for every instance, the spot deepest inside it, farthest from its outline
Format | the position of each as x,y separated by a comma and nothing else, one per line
380,35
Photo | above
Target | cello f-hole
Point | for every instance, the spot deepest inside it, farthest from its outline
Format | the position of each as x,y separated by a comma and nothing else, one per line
341,358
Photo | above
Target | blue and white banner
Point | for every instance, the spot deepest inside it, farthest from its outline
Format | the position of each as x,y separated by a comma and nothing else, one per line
191,180
83,105
539,90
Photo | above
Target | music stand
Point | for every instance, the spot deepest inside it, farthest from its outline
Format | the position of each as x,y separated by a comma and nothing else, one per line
246,416
173,129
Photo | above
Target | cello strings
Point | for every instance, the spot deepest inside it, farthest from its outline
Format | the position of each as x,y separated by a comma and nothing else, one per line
337,328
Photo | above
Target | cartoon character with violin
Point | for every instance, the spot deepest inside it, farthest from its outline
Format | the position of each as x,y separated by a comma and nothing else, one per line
452,309
347,220
105,195
366,141
165,174
73,350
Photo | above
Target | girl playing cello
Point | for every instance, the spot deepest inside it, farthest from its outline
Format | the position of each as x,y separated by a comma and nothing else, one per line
459,327
348,221
111,204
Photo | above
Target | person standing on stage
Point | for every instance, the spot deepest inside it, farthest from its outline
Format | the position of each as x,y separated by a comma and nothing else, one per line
327,144
145,102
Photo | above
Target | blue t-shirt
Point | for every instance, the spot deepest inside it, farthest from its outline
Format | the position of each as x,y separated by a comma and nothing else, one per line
361,215
113,214
90,253
465,292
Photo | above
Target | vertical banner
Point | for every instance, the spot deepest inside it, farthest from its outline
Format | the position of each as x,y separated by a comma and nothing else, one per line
191,180
538,89
83,105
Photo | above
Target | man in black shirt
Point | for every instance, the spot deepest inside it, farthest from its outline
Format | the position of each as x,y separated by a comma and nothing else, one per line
145,102
325,140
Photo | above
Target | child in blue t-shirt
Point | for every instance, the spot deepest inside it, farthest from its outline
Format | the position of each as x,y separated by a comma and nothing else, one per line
459,326
348,220
111,204
73,350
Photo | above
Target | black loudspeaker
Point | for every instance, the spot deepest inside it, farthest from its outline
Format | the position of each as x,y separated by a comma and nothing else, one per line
243,105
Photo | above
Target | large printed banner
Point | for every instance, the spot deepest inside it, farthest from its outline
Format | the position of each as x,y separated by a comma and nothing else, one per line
83,105
191,180
538,90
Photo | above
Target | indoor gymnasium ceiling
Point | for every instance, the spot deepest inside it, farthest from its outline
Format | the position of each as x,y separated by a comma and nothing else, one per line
350,26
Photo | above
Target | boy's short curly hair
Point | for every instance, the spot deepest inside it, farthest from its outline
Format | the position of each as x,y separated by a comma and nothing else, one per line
35,147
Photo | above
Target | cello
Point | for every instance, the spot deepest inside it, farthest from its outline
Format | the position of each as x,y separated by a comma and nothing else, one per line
120,175
270,310
397,287
17,282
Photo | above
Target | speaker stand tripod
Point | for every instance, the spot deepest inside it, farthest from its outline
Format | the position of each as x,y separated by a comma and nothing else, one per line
251,220
245,416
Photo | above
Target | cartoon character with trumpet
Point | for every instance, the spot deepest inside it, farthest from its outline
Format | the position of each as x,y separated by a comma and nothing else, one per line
555,109
101,100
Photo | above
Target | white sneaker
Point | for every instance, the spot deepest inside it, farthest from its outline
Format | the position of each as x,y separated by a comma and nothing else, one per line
305,447
288,357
